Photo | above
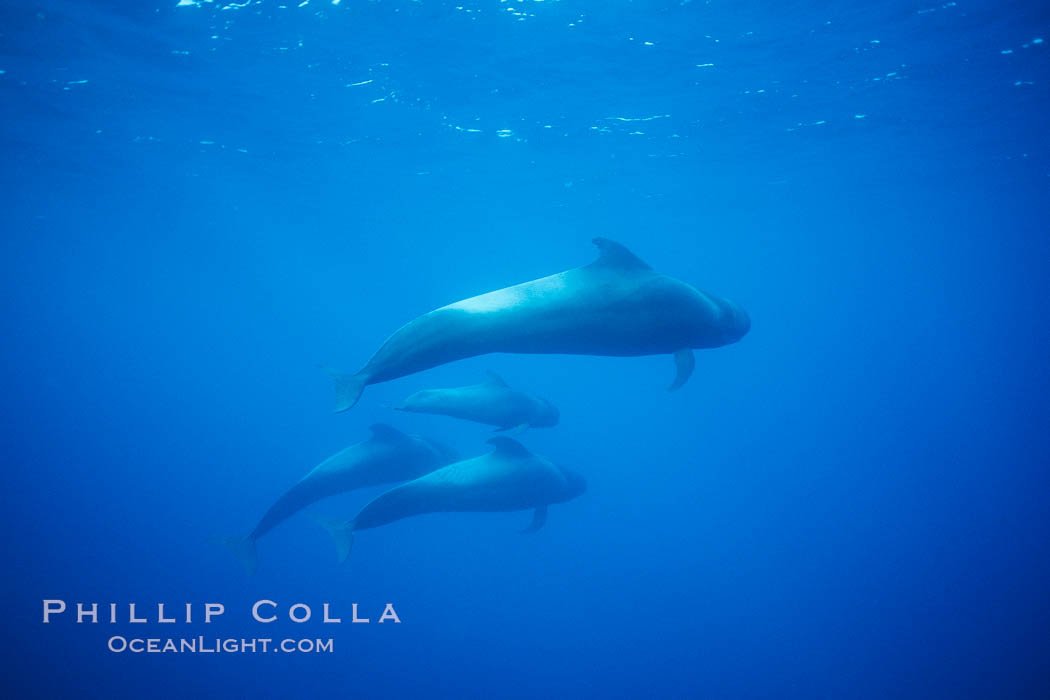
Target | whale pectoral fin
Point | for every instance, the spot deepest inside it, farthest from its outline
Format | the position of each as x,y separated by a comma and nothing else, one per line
513,430
348,388
539,517
684,363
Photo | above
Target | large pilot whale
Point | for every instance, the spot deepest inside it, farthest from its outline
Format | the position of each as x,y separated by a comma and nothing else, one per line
508,478
491,402
616,306
387,456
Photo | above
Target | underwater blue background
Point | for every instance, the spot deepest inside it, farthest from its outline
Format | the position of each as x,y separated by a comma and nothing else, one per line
203,202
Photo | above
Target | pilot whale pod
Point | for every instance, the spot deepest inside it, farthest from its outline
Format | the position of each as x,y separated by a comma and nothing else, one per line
491,402
507,479
387,456
615,306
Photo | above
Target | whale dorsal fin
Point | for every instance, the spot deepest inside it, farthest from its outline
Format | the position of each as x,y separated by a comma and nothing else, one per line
386,433
495,379
509,447
612,254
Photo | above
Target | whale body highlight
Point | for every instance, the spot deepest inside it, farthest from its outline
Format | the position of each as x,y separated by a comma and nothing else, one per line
492,402
615,306
509,478
389,455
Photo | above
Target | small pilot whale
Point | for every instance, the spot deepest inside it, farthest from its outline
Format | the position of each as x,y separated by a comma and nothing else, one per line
491,402
508,478
387,456
616,306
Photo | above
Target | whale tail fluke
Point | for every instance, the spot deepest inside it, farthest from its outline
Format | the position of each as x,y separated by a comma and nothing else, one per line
342,532
244,549
348,388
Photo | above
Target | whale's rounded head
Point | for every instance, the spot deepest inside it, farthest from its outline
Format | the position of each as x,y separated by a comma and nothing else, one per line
421,401
548,415
741,323
576,485
735,324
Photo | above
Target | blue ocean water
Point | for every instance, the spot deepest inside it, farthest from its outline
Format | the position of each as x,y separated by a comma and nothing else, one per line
203,201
